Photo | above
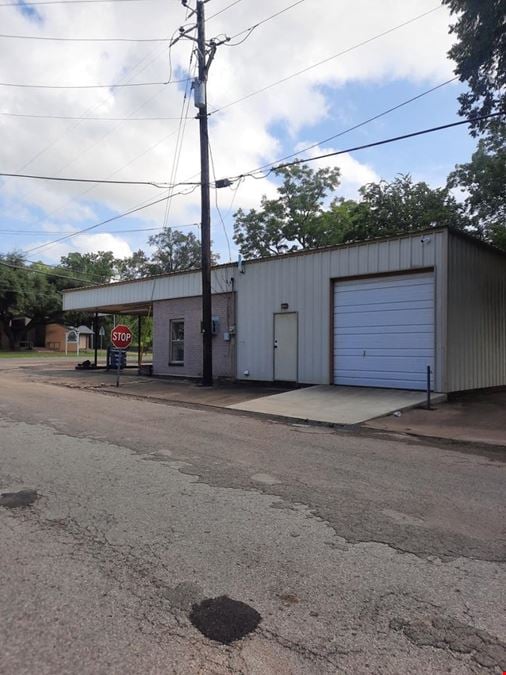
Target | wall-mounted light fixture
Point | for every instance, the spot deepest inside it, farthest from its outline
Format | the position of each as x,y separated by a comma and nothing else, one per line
284,305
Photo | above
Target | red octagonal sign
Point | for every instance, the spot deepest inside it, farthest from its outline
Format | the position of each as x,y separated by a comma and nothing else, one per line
121,336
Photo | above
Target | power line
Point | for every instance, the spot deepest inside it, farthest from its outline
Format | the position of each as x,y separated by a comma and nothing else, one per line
217,204
260,23
113,173
63,2
145,62
232,4
360,124
110,220
87,279
64,179
326,60
300,161
385,141
44,272
179,141
253,93
91,86
73,39
94,119
135,229
124,165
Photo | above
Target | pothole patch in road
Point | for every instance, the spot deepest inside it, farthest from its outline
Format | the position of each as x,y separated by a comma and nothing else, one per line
14,500
289,599
308,429
451,634
265,478
223,619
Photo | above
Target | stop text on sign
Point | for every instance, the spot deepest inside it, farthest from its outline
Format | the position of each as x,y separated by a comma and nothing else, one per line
121,337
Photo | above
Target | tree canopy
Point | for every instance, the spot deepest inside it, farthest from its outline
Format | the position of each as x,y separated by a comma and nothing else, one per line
403,206
483,182
28,292
293,220
98,268
479,53
174,251
298,217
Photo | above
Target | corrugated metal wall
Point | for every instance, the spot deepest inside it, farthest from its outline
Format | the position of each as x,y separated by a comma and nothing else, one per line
304,282
476,316
157,288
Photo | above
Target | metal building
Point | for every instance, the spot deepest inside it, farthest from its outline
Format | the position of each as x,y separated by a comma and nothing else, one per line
374,313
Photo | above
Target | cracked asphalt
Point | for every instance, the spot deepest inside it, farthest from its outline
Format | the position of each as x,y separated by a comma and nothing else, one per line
362,553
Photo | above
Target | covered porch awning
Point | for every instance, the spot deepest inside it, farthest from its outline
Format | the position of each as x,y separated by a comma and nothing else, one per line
136,297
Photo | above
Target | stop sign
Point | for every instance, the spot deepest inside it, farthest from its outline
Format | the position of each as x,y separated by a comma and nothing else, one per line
121,337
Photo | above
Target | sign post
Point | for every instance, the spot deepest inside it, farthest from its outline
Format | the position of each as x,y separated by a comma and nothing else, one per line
121,339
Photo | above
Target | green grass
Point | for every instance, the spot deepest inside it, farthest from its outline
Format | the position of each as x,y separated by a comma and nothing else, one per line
33,354
83,354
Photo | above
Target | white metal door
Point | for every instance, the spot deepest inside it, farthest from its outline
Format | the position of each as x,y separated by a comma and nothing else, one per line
285,347
384,331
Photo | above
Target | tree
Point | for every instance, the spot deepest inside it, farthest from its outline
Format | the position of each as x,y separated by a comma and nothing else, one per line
97,268
12,291
26,292
175,251
135,266
483,180
480,56
291,221
345,220
402,206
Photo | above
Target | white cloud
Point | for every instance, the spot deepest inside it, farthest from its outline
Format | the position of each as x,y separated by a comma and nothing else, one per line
353,173
84,243
243,136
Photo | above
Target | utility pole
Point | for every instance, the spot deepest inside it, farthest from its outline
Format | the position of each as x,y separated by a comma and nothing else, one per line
201,103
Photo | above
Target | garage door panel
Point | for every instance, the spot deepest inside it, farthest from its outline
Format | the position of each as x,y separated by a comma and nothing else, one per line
388,281
412,341
391,383
394,318
388,364
372,308
371,296
384,331
385,351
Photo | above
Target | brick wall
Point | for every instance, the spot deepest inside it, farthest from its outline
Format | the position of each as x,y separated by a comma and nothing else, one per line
190,310
55,337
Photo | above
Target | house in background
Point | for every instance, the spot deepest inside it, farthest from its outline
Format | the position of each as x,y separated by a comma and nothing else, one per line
376,313
56,336
49,336
85,337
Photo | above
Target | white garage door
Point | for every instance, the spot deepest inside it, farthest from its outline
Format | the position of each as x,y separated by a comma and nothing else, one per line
384,331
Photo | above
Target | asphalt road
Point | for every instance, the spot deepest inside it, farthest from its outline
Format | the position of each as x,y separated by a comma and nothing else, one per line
360,553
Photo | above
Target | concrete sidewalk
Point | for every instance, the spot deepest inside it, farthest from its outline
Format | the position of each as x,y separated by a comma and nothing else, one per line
321,403
222,395
335,405
476,417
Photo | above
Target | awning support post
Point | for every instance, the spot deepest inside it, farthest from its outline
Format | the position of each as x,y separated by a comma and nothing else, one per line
139,340
95,338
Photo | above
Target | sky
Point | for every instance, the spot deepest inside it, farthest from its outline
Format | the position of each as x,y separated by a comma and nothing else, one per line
275,121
